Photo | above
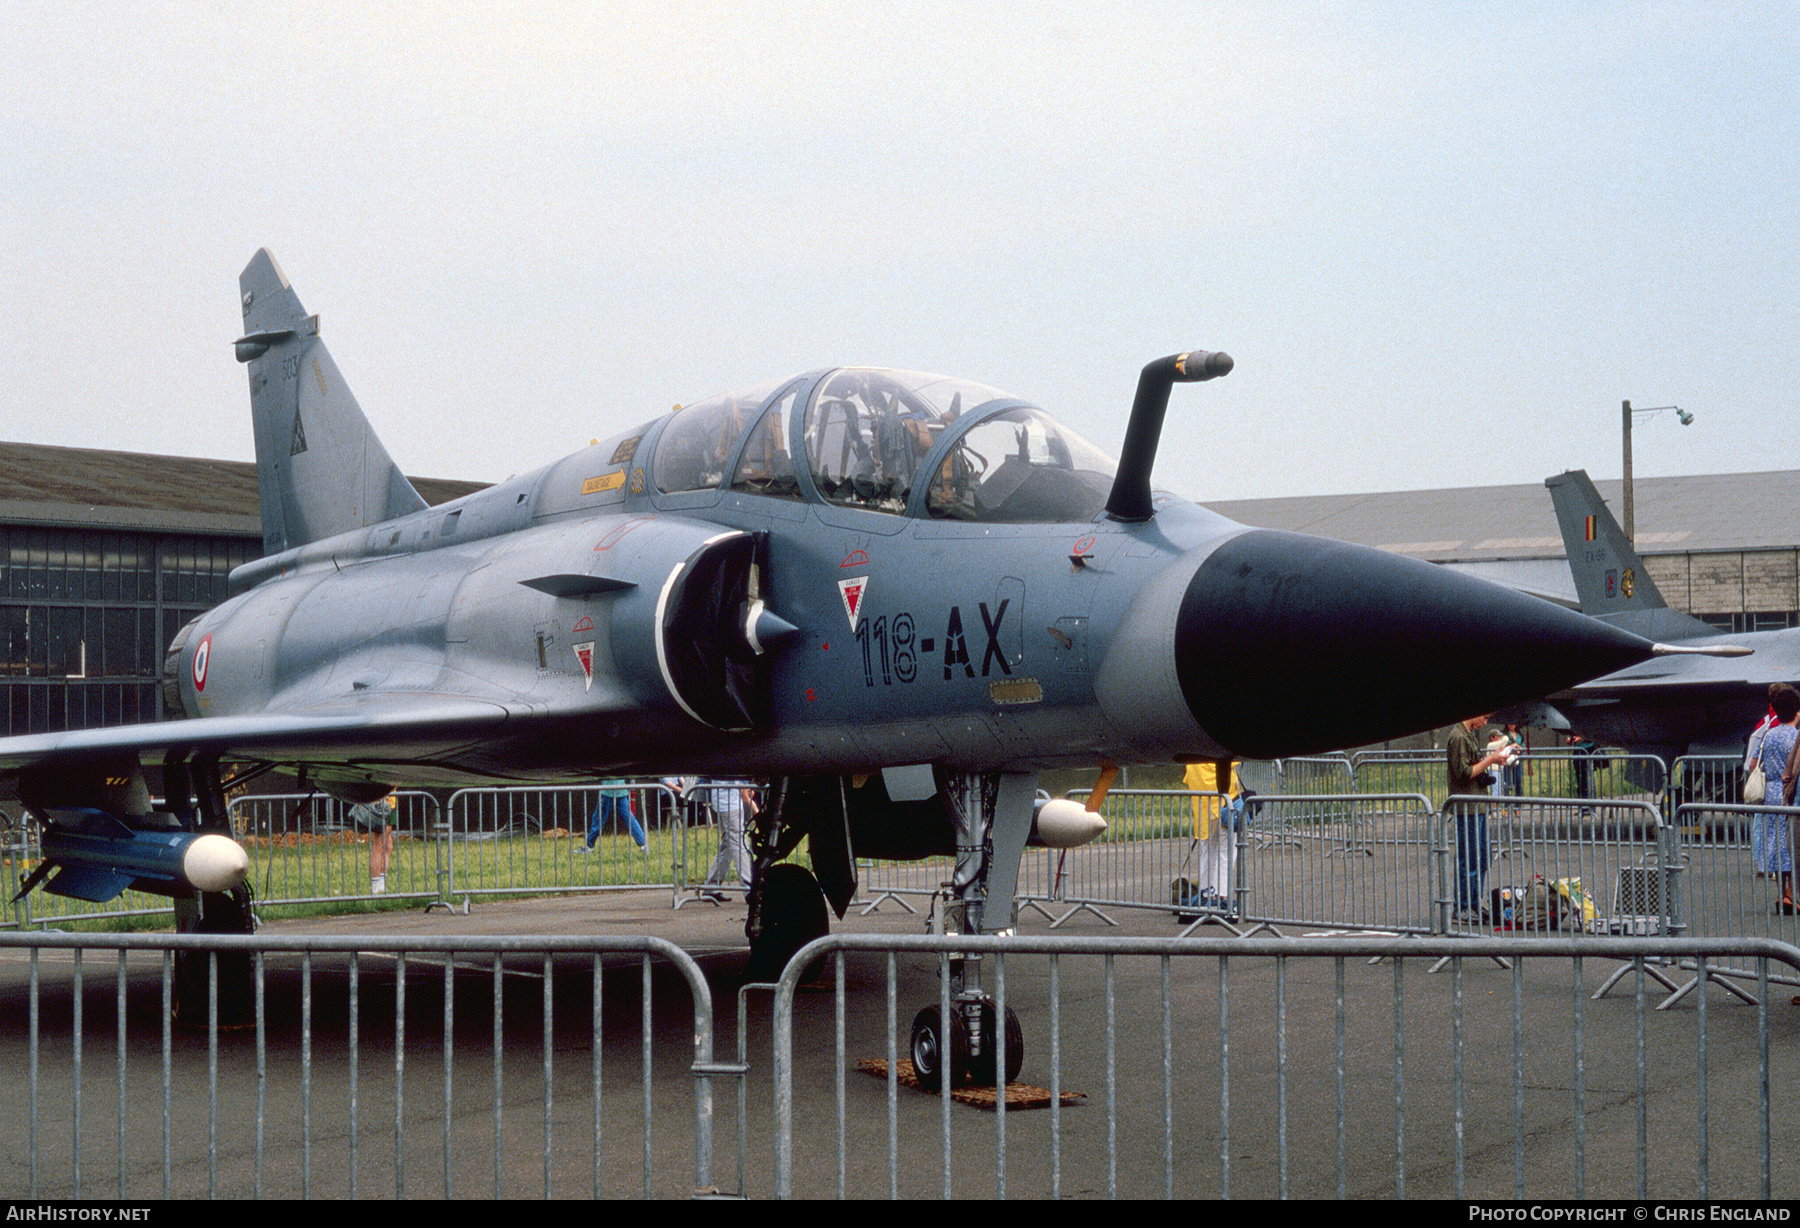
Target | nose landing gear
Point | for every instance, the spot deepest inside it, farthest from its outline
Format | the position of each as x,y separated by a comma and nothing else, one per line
951,1054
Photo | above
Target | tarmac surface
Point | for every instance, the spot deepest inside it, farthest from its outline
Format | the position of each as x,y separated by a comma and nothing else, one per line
1554,1105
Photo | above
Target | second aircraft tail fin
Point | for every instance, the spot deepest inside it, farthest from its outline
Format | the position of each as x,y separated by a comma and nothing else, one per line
1610,579
320,469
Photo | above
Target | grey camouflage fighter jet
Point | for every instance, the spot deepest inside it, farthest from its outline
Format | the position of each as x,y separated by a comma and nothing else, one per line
892,597
1667,707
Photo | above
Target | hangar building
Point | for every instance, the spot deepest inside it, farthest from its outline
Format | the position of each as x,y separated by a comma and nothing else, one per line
104,556
1720,547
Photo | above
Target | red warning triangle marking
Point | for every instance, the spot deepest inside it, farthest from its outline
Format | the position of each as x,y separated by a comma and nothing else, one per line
852,593
584,653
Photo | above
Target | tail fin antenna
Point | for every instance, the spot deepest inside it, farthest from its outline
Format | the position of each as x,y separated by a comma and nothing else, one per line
320,469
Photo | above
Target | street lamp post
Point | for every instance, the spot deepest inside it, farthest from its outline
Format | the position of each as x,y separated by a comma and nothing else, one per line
1625,413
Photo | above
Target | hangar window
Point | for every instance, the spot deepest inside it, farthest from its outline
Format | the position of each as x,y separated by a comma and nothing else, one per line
701,440
868,431
85,616
1019,466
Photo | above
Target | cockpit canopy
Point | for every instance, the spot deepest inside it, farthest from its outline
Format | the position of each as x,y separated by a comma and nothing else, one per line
900,442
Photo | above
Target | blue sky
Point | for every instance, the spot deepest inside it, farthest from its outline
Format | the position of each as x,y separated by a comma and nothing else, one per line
1443,241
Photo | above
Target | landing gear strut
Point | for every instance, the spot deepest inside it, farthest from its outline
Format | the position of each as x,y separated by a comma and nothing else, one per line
194,791
214,912
993,818
787,907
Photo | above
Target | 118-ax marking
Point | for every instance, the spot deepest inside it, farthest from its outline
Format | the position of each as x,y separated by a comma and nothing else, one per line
895,647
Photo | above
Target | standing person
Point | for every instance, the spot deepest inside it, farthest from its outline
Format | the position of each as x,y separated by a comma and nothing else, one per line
732,802
1583,765
1771,843
1468,774
1753,751
614,806
1214,838
1513,773
377,817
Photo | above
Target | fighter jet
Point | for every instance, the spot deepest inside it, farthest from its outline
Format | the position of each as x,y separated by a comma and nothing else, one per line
892,597
1677,704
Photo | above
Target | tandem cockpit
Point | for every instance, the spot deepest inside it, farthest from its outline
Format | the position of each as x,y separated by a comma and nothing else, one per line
900,442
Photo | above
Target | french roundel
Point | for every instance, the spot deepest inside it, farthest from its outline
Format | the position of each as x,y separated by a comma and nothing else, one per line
202,653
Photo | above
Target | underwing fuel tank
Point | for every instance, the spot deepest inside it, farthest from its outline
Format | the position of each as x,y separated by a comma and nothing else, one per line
96,857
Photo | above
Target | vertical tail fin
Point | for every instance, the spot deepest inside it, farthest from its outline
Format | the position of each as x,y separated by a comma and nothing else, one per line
1610,579
1609,575
320,470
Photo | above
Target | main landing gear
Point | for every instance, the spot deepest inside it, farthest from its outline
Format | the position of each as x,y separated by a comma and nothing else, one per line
194,790
788,913
787,905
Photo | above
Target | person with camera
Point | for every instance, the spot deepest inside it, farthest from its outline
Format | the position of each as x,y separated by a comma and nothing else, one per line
1469,774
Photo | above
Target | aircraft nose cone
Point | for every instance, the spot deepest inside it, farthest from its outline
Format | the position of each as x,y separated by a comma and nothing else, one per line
1288,644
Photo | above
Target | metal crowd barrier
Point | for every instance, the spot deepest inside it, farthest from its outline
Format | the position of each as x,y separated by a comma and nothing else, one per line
1336,859
1358,859
1317,774
361,1067
508,841
1369,861
1607,773
1354,861
1398,772
371,1066
1705,779
903,883
1209,1067
1587,866
1148,844
303,848
307,846
1723,891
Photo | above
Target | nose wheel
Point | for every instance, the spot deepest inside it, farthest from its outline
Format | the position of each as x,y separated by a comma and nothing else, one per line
982,1065
940,1050
945,1054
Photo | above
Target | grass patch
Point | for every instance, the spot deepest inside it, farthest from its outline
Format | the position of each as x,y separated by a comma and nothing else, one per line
296,877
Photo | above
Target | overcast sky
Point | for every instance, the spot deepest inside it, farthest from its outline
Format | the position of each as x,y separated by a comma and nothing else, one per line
1442,240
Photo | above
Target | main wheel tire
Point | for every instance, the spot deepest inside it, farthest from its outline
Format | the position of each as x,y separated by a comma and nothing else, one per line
940,1054
217,913
793,913
981,1066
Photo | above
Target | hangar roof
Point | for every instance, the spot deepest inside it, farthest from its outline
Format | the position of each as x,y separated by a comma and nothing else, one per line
88,486
1732,511
99,489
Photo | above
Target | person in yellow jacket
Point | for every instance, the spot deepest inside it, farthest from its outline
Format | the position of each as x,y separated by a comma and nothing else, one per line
1215,845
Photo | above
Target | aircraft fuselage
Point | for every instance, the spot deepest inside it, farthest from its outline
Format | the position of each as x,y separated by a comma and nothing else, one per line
971,645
